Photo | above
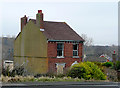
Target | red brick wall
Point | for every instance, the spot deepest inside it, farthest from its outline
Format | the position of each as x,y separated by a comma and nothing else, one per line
68,47
52,47
68,55
80,50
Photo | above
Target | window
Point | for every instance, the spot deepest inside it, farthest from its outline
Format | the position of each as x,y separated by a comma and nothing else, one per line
75,49
60,49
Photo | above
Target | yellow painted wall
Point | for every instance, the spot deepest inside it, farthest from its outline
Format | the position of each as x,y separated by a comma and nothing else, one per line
30,47
32,66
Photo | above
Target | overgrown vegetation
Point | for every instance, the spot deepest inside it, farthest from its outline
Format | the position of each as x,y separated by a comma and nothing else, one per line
51,75
117,65
43,79
16,71
83,71
108,64
86,70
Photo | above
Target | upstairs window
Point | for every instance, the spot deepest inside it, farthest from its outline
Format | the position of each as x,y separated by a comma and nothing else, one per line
60,49
75,49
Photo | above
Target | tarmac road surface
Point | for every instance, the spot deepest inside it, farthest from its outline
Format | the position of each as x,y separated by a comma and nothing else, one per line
63,85
66,86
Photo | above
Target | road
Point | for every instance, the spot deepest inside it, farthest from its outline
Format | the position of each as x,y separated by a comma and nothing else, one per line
67,86
63,85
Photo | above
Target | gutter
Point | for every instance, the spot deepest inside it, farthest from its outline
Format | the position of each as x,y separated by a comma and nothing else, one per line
74,41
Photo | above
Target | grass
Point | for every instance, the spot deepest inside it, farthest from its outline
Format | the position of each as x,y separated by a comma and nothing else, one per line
42,79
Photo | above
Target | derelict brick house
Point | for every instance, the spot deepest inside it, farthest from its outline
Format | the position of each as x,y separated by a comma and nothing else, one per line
46,46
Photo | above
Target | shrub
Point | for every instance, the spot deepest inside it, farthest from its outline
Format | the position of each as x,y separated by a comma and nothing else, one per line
96,71
108,64
60,76
19,70
40,75
80,70
86,70
99,64
117,65
6,72
15,71
49,74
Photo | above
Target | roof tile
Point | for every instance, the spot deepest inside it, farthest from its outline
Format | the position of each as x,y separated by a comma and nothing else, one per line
59,31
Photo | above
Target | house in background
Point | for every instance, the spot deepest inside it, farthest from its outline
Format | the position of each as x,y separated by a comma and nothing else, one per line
46,46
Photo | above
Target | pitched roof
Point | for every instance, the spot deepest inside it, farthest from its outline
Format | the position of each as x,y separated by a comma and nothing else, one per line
59,31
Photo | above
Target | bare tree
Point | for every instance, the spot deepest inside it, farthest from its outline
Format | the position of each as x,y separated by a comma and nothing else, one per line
88,41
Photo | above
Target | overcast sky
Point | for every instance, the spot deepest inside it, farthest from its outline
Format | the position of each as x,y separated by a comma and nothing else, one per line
99,20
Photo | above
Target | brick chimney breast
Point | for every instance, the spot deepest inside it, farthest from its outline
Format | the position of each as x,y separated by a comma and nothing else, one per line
39,19
23,22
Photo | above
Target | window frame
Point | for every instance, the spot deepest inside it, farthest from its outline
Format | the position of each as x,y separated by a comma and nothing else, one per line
62,50
76,50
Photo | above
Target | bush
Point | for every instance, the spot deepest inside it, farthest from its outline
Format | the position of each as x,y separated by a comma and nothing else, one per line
96,71
19,70
117,65
40,75
99,64
80,70
15,71
6,72
108,64
60,76
86,70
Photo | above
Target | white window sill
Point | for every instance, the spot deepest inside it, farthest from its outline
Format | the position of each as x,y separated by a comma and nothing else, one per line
75,56
60,56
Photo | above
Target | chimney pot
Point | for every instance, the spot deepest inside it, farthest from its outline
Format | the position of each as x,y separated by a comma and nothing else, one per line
39,11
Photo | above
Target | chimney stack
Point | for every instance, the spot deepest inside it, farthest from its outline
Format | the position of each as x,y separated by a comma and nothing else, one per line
23,22
39,19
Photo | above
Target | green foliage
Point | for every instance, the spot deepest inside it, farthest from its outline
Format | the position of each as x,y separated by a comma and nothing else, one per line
108,64
51,75
99,64
86,70
117,65
96,71
60,76
80,70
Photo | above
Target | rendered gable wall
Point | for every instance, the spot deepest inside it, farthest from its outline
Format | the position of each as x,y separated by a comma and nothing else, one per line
30,50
